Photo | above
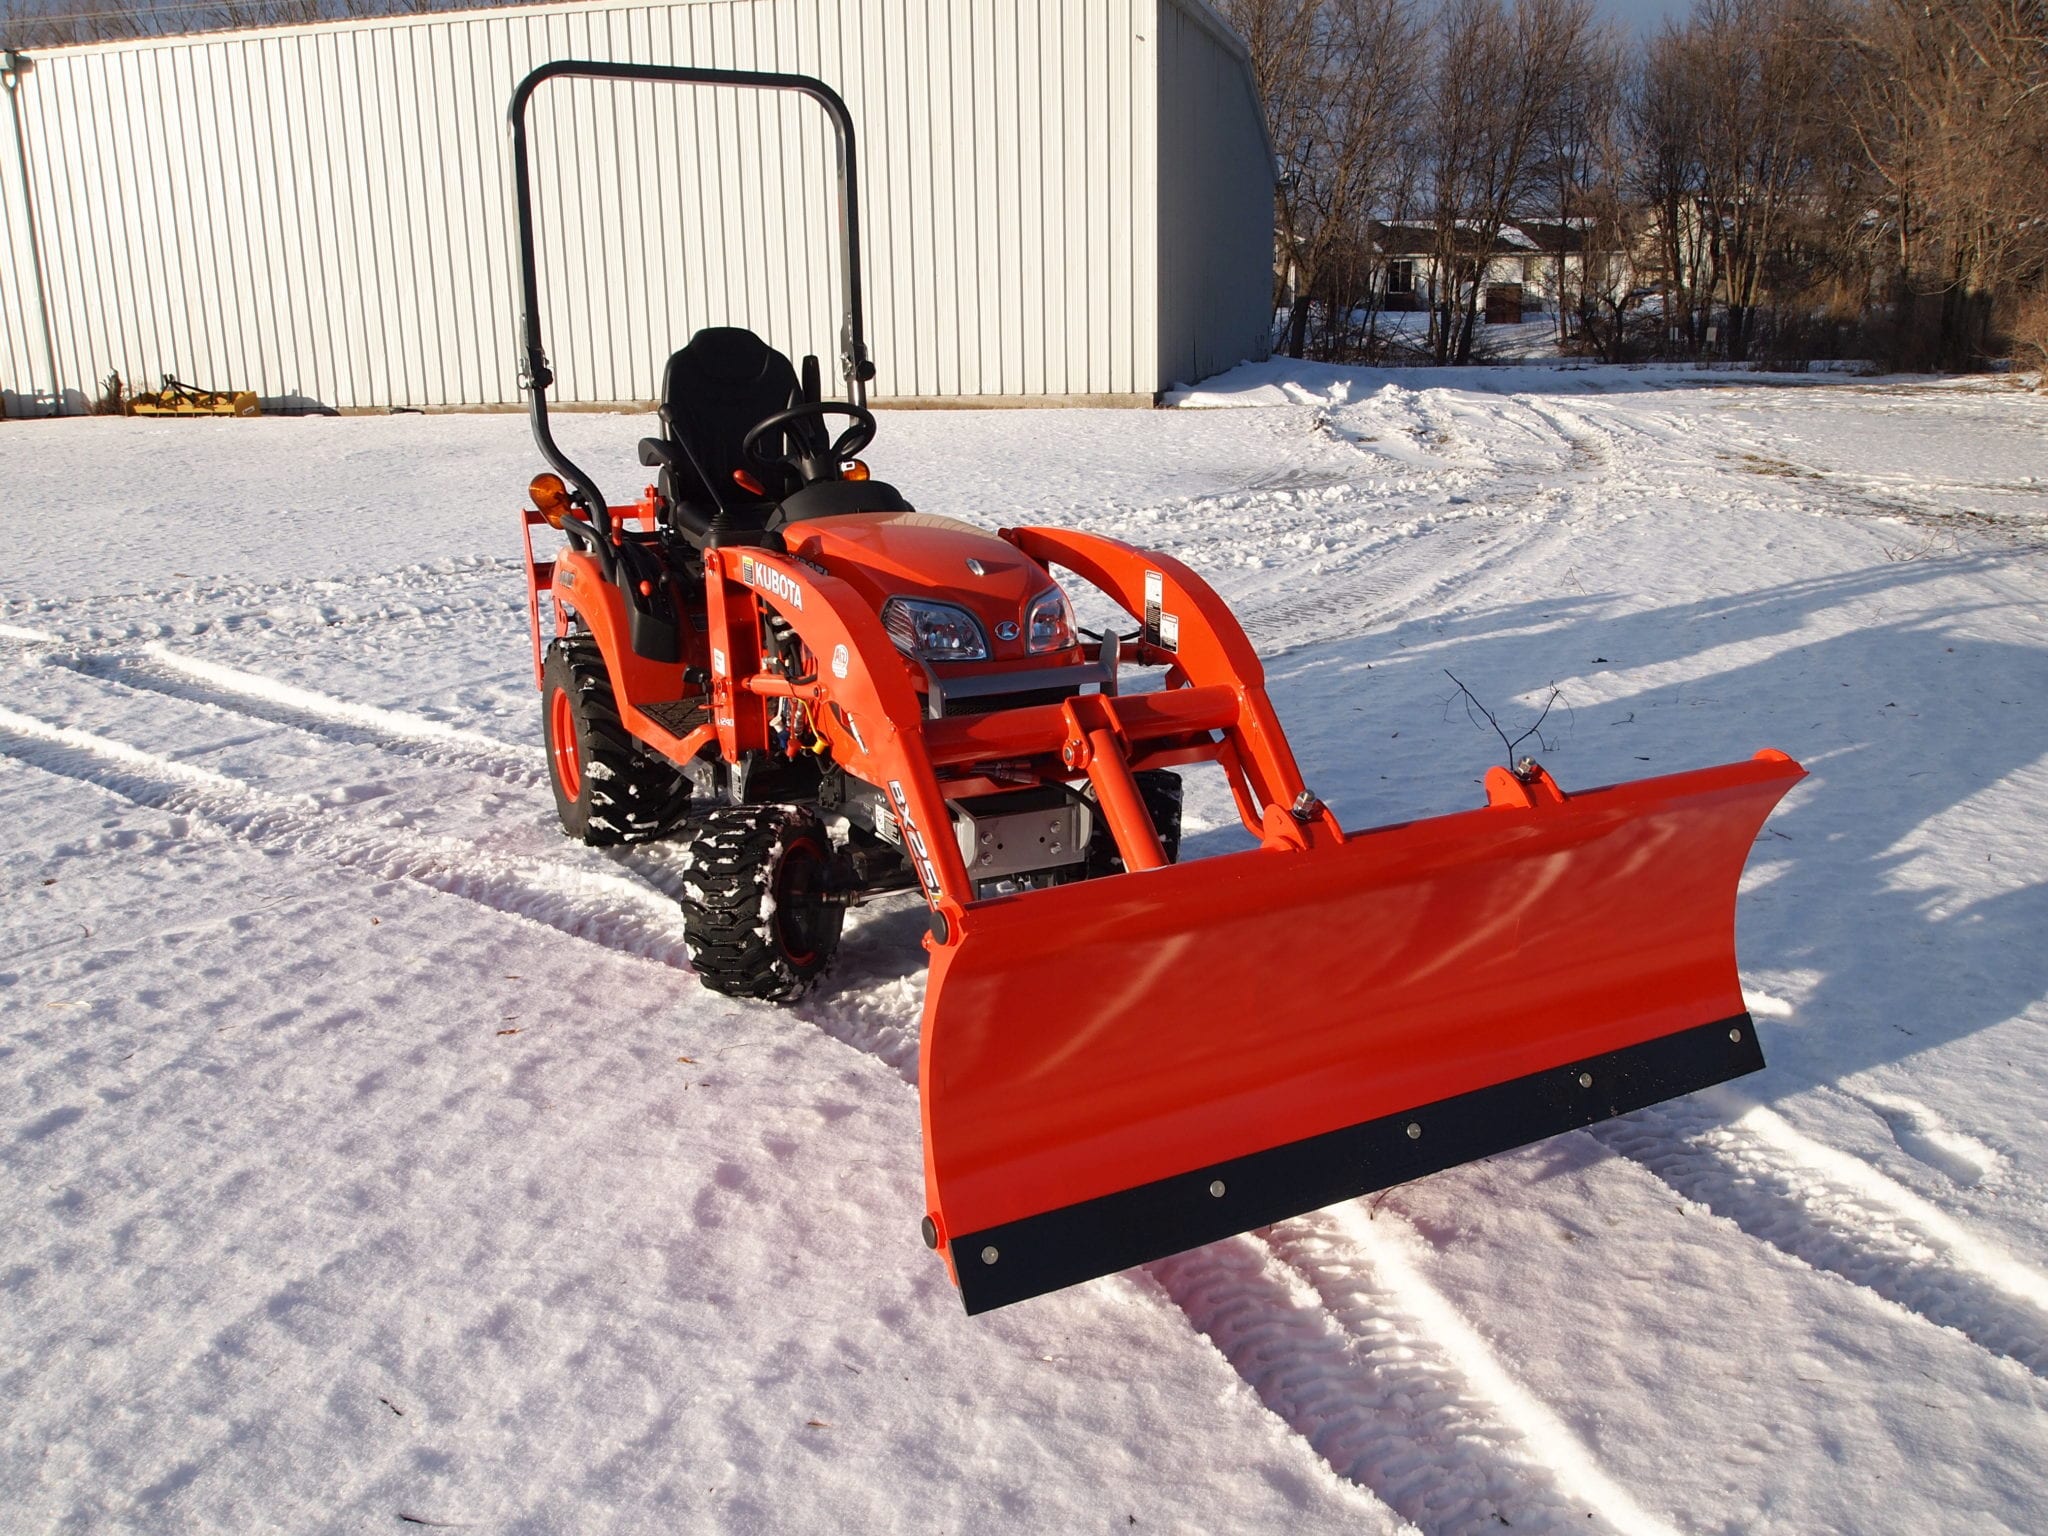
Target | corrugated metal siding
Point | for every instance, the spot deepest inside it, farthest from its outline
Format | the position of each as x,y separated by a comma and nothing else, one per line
321,212
1215,200
21,336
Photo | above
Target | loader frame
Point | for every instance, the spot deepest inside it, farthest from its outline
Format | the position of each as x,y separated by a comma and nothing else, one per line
1213,707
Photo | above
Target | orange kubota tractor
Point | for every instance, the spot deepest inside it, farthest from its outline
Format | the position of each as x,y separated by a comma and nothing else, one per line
831,695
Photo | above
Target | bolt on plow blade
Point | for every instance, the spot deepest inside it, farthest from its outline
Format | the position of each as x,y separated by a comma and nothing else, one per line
1121,1069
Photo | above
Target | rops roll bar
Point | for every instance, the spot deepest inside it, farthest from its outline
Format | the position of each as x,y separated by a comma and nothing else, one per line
535,375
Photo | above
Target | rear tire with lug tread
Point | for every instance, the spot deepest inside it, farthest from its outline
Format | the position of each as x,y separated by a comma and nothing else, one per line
608,789
754,917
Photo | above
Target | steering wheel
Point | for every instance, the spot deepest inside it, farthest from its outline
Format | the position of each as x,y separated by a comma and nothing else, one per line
811,466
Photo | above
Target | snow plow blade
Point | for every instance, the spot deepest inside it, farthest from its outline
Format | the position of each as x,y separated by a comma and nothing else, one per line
1120,1069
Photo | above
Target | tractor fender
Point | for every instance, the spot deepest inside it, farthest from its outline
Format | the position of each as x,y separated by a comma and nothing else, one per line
581,591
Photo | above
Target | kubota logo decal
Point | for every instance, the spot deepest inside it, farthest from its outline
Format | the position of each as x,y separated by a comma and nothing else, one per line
758,573
913,840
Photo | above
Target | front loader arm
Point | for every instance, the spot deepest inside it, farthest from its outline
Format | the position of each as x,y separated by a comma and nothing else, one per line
1187,624
861,699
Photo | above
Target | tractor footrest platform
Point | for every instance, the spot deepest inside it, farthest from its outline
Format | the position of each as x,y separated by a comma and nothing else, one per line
678,717
1020,1259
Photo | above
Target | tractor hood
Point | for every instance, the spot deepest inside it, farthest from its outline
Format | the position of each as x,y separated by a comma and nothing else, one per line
923,555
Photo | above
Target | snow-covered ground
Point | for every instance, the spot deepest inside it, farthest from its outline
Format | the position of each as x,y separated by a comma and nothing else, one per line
368,1154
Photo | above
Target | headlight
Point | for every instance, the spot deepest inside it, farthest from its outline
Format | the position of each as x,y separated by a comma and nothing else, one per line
933,631
1049,621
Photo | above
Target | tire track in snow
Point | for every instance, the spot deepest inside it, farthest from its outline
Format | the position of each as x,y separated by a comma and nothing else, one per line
227,690
1470,516
160,669
1339,591
1292,1336
1382,1403
1364,544
1324,583
1835,1212
1591,447
871,1019
633,914
1328,1320
424,595
612,910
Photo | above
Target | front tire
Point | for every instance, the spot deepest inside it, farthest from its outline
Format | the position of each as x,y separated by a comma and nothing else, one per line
757,918
608,789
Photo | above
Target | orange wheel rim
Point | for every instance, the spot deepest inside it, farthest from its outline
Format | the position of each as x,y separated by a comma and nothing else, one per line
562,743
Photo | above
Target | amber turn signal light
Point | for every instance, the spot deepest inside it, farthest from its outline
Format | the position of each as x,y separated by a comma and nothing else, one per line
550,498
853,469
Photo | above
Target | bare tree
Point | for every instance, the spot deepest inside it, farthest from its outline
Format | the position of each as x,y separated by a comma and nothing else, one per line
1666,113
1495,77
1759,72
2030,334
1741,157
1577,161
1337,78
1617,224
1950,106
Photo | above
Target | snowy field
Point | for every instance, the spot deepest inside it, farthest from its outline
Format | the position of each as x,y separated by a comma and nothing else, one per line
369,1157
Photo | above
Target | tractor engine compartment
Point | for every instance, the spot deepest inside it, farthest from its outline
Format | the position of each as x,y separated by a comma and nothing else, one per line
1013,841
1023,840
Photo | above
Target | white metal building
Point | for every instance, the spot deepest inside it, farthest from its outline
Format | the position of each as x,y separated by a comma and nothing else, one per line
1062,199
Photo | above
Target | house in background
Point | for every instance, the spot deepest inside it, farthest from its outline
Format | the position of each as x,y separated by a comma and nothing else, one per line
1533,266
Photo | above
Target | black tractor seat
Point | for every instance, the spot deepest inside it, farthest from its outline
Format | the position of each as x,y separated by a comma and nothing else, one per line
715,391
